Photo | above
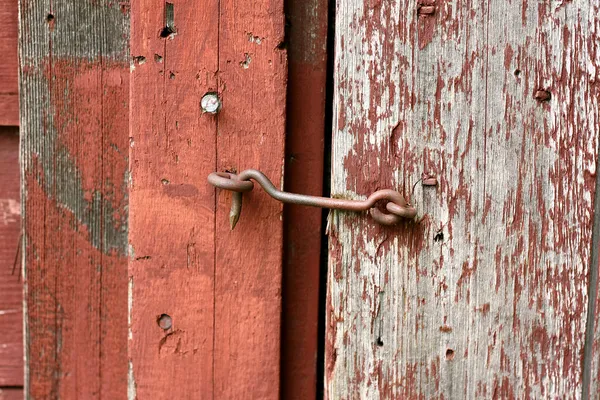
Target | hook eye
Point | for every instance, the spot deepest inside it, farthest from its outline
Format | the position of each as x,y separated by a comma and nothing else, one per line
228,181
383,218
401,211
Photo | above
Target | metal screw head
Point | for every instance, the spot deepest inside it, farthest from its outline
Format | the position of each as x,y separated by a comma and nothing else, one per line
210,103
165,321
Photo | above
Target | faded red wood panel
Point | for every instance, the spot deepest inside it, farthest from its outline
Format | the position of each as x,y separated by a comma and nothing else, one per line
221,290
251,133
11,287
9,86
11,394
171,233
74,87
305,130
485,294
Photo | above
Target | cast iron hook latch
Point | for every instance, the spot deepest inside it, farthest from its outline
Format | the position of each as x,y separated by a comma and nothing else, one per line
396,205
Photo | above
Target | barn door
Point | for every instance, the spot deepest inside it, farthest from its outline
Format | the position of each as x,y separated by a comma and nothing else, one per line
135,286
485,114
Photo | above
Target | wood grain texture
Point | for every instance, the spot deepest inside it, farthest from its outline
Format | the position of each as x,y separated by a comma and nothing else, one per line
11,394
485,294
11,286
305,130
221,289
74,85
251,134
9,83
172,151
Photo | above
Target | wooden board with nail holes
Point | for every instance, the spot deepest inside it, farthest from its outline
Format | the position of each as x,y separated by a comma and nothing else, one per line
9,91
74,89
485,295
222,289
307,53
11,286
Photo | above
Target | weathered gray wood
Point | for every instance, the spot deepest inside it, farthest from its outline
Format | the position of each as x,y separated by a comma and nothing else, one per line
74,91
485,295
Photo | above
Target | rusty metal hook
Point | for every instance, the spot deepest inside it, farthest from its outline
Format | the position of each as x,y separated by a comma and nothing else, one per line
397,206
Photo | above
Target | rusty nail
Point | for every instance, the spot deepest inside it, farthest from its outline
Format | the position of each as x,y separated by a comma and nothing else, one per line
210,103
541,95
236,209
165,321
426,10
430,181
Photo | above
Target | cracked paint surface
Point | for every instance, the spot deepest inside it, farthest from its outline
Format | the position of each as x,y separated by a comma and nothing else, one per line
485,294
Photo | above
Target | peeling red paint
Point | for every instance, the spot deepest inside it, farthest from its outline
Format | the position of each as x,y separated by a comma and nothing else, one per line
452,94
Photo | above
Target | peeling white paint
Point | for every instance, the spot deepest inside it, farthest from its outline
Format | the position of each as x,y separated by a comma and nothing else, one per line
516,221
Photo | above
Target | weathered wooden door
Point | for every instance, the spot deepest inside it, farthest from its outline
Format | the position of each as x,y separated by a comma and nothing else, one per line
135,285
491,292
484,114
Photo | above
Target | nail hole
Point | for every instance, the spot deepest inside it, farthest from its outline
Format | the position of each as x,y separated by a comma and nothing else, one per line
169,30
171,75
164,321
542,95
449,354
379,342
517,72
49,17
246,63
158,58
166,32
139,60
165,181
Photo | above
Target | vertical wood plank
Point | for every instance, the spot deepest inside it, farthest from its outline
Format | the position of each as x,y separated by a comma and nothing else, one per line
11,284
251,133
74,67
11,394
9,88
171,272
220,289
305,131
485,294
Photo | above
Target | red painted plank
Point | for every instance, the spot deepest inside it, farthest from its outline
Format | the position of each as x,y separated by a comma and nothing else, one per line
9,98
303,174
11,394
251,133
11,287
171,236
74,81
220,290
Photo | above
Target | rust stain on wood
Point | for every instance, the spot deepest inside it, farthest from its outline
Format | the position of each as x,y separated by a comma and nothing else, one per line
74,122
501,250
